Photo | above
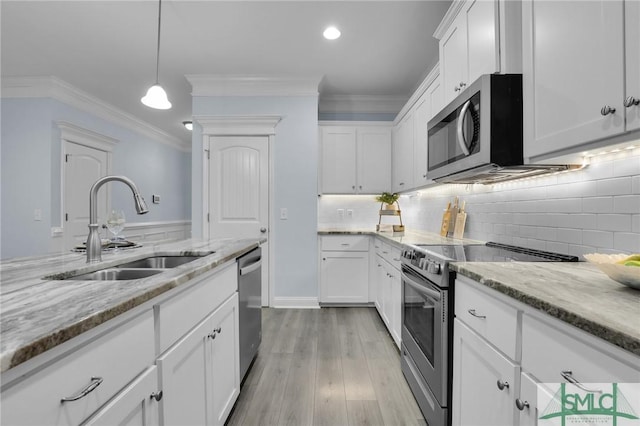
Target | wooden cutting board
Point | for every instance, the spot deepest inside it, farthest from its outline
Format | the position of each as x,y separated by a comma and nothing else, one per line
461,220
446,219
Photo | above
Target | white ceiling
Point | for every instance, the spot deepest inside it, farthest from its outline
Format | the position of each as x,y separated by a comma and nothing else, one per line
108,48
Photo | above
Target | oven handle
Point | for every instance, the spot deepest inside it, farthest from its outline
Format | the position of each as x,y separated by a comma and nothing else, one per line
421,288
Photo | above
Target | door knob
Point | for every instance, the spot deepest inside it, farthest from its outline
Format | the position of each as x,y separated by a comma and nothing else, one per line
263,230
606,110
631,101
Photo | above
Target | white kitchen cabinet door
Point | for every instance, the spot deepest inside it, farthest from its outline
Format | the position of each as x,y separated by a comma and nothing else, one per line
395,284
453,58
380,277
526,403
573,68
420,135
403,155
385,296
136,405
478,369
344,277
339,160
223,362
469,47
374,164
632,58
183,380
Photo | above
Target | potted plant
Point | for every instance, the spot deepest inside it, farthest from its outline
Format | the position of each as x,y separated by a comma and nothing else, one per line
388,198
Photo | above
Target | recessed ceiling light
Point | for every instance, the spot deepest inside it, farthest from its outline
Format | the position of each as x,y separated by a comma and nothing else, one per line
188,125
331,33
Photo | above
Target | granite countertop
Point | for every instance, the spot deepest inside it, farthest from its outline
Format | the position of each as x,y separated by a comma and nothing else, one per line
39,313
576,293
408,237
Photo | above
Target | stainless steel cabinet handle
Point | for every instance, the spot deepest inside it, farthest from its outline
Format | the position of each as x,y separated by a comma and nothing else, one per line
95,382
606,110
263,230
521,404
456,89
401,184
345,244
360,187
424,175
502,385
462,84
473,312
156,395
567,375
218,330
353,187
631,101
212,335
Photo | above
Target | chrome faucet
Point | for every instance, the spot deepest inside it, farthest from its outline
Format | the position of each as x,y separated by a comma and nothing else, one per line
94,245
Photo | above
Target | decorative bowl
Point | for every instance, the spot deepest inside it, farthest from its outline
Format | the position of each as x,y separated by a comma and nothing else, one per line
627,275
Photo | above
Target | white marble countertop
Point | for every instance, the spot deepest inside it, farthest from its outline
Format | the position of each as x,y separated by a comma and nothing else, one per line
398,239
577,293
39,313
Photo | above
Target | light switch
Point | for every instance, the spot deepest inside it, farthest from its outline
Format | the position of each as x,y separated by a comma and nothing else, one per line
37,215
284,213
341,213
155,199
349,213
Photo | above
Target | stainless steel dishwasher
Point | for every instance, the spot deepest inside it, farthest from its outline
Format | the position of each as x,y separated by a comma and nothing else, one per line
250,310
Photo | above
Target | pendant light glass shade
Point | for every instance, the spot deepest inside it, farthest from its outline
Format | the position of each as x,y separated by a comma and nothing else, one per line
156,98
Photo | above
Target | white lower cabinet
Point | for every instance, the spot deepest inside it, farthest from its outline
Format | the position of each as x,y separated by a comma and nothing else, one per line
136,405
484,381
199,375
72,389
344,269
488,329
389,290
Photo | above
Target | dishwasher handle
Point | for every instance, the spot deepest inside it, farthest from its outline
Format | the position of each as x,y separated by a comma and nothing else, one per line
251,267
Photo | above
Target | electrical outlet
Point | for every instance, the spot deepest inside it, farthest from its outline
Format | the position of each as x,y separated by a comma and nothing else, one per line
284,213
37,215
155,199
341,213
350,213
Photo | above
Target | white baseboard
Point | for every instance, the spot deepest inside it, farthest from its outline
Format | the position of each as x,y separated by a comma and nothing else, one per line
296,302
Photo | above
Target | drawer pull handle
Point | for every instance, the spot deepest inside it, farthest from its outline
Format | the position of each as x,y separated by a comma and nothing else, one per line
156,395
345,244
567,375
502,385
95,382
521,404
214,333
473,312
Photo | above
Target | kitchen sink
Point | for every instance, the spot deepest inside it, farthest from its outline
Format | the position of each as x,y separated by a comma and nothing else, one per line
159,262
119,274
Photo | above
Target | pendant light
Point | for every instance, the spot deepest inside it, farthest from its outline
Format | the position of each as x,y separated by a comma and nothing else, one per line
156,97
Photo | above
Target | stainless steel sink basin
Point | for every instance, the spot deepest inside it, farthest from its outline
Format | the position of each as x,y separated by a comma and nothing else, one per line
159,262
117,274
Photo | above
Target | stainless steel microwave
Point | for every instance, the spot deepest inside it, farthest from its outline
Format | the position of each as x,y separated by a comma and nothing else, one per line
477,138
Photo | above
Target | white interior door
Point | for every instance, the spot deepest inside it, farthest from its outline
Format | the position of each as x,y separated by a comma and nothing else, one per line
239,192
82,167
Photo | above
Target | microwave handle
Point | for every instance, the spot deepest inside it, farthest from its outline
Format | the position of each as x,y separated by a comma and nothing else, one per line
461,140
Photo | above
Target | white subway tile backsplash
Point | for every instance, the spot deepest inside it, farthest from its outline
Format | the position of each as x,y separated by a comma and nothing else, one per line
597,205
614,222
601,239
617,186
596,209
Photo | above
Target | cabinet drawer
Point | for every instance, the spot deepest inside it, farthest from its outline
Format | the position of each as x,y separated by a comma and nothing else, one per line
116,357
176,316
487,316
345,243
547,351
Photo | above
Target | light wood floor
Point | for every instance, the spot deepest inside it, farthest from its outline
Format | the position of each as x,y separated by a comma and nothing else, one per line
329,366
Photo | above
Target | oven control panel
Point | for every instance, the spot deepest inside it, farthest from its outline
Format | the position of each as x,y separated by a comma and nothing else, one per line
421,261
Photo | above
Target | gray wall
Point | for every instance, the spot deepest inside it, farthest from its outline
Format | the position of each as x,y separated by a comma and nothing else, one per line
295,159
30,153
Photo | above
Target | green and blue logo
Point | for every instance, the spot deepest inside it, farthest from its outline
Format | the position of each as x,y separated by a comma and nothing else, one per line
593,404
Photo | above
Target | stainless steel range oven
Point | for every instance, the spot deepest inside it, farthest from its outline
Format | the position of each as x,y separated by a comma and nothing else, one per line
427,316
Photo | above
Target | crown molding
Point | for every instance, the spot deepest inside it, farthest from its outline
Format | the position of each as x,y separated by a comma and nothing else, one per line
249,125
252,85
361,104
55,88
448,18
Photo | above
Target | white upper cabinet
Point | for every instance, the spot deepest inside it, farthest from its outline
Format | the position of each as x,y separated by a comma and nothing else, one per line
632,57
403,155
469,45
338,160
429,104
575,81
355,159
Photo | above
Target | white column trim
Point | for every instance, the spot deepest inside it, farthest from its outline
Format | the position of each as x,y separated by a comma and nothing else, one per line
258,125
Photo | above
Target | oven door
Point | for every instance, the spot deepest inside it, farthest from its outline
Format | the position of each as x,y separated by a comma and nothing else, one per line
424,330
